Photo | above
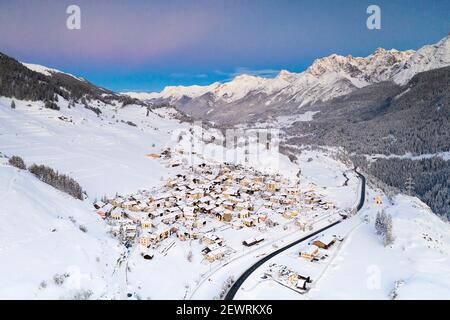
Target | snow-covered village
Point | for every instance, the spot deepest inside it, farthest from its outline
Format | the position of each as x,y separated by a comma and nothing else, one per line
177,158
208,200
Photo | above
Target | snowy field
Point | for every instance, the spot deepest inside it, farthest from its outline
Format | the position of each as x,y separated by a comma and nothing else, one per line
104,154
41,237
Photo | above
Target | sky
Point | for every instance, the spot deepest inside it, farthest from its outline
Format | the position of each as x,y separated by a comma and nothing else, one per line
145,45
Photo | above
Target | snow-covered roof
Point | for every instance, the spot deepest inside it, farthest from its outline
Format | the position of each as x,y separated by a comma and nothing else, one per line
310,249
326,239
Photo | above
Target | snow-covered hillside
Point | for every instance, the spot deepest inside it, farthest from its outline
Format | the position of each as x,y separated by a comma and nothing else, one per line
105,154
45,70
51,247
325,79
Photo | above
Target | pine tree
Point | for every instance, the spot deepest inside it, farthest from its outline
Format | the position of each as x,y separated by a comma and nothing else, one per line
17,162
383,226
380,222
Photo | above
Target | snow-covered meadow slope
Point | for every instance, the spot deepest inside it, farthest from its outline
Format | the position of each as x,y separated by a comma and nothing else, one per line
51,247
418,262
104,153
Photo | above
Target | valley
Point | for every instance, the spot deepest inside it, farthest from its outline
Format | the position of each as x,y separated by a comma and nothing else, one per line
189,195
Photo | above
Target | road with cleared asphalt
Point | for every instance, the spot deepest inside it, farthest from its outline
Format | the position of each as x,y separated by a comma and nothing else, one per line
234,289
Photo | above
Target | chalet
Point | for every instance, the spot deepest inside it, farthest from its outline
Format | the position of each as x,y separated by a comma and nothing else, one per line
156,213
243,205
103,211
185,234
210,248
230,192
139,207
117,202
206,200
146,239
171,217
258,179
324,242
209,239
244,214
159,203
128,204
289,214
188,213
310,252
136,217
275,199
99,204
163,233
252,241
154,155
195,194
224,170
209,209
146,224
286,201
200,223
248,222
181,236
301,284
170,202
225,215
244,182
216,254
272,186
228,205
137,197
327,205
117,214
292,191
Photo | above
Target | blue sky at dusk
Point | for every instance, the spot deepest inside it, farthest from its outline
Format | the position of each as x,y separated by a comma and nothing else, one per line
144,45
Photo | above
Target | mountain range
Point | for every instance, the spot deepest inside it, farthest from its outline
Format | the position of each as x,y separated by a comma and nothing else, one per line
325,79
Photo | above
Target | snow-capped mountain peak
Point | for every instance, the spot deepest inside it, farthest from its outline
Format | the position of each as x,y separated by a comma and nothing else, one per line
325,79
426,58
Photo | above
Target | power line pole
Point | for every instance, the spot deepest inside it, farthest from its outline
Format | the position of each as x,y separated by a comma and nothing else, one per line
409,185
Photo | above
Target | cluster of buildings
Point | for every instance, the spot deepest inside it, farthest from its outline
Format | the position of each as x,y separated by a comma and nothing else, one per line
187,205
288,277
